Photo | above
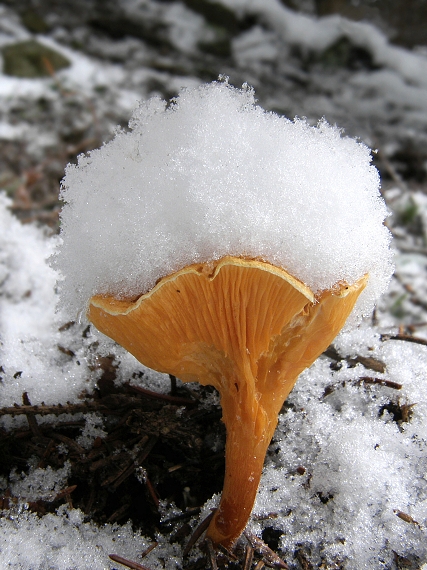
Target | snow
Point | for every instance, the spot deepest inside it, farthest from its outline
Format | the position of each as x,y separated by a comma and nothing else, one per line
319,34
39,483
353,455
13,87
10,132
187,28
92,430
30,324
361,466
30,337
212,175
64,541
255,45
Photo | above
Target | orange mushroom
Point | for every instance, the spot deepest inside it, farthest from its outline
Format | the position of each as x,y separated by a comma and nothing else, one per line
244,326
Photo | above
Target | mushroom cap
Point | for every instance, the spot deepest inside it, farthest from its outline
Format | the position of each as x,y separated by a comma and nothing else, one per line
226,314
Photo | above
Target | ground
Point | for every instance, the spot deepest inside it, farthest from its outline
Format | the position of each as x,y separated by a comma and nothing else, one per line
130,446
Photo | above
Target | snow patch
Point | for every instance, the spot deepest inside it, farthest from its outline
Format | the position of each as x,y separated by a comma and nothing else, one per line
214,174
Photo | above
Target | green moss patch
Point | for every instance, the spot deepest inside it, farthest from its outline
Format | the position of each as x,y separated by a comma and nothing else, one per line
31,59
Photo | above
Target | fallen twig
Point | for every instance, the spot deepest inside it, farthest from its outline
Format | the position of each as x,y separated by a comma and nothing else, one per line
269,555
127,563
32,422
211,554
405,337
117,479
65,492
198,533
166,397
249,555
70,443
56,410
302,559
151,490
149,549
119,513
381,382
407,518
367,361
187,515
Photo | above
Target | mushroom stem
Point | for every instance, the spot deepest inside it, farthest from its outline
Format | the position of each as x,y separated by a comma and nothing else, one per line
249,432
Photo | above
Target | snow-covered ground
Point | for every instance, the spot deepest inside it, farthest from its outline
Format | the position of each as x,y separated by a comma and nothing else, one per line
345,474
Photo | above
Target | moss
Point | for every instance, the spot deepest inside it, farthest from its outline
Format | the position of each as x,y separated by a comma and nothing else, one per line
31,59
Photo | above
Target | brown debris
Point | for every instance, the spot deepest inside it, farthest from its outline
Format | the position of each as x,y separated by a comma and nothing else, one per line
249,555
70,443
405,337
44,410
303,560
145,436
405,517
380,382
211,554
401,561
149,549
65,492
401,413
32,422
367,361
150,488
66,351
198,533
140,451
127,563
265,517
269,556
166,397
119,514
49,449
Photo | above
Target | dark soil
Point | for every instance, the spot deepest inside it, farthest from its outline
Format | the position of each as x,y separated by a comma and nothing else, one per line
157,448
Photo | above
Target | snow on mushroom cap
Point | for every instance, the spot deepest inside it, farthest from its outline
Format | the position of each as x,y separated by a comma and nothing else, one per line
213,174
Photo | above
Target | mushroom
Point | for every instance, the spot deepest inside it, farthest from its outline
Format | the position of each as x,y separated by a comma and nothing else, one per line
248,328
209,176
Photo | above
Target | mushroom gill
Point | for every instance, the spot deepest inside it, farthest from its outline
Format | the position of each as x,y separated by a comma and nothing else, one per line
244,326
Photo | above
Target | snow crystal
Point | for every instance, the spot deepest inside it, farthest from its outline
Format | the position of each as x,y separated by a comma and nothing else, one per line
39,483
92,430
213,174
